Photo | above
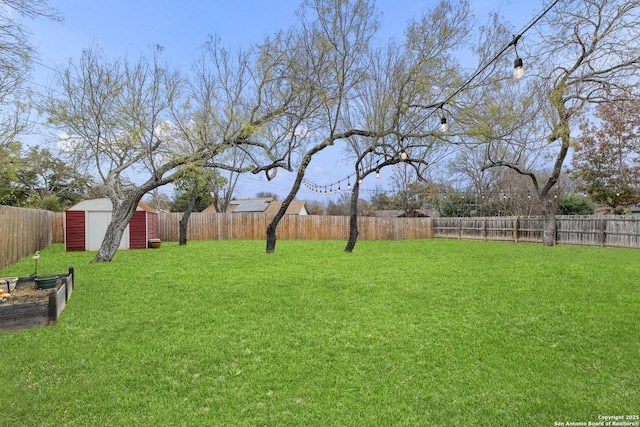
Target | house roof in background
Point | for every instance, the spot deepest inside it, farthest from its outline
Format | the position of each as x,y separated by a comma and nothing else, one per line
249,205
146,207
426,213
296,207
265,205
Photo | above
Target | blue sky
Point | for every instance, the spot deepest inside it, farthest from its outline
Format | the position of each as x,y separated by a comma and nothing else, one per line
131,26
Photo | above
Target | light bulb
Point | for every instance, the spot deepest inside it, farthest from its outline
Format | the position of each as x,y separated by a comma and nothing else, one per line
518,69
443,124
378,173
403,155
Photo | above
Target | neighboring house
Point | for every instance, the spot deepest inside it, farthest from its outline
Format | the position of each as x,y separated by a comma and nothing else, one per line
263,205
296,207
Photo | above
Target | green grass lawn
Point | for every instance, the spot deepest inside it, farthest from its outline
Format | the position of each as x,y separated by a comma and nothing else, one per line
400,333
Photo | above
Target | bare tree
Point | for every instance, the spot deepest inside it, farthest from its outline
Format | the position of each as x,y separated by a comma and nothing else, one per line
409,85
114,114
380,103
468,164
583,52
142,120
326,60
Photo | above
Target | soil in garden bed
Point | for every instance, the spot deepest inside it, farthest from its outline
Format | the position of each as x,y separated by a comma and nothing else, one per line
29,293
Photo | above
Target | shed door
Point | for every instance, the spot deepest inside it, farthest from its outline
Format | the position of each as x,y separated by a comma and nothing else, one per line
74,230
96,228
138,230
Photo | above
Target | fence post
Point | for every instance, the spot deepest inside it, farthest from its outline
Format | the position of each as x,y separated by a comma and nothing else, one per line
603,235
516,222
484,229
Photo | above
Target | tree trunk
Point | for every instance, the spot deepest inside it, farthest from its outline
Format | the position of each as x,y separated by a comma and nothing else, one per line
184,221
120,218
549,221
353,218
271,234
183,224
271,228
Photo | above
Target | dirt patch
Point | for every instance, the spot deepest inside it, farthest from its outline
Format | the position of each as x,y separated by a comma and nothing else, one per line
29,293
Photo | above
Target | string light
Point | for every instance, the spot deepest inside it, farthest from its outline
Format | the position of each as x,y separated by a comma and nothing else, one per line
466,196
518,68
377,173
443,124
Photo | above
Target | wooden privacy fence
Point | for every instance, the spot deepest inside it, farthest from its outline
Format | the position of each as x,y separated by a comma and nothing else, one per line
24,231
615,231
225,226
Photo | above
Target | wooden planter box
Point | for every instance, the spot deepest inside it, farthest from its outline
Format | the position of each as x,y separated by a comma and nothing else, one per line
37,313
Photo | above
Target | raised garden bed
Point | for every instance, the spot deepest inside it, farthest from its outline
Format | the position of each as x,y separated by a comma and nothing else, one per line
29,306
